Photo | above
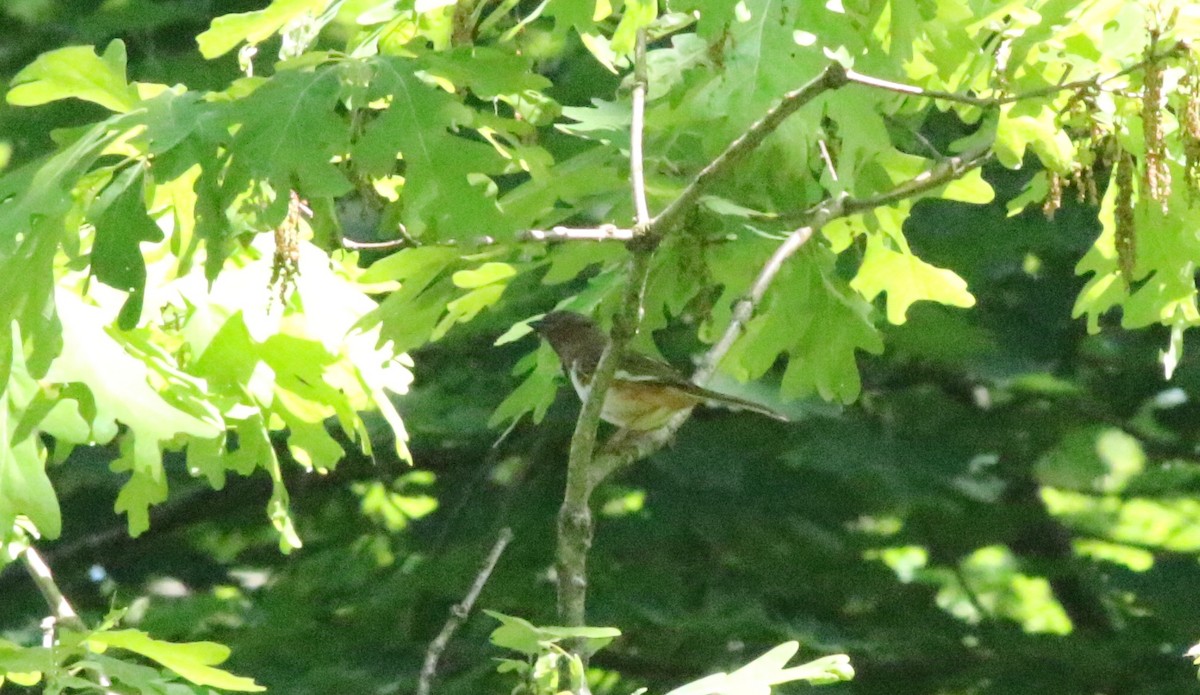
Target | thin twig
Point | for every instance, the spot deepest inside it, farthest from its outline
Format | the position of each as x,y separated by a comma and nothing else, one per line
940,174
605,232
388,245
60,607
637,165
913,90
459,613
746,306
1093,82
828,159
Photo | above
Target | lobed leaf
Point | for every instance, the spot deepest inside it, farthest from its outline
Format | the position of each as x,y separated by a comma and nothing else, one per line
76,72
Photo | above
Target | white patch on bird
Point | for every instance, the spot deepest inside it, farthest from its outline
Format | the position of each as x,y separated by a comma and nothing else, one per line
629,376
581,387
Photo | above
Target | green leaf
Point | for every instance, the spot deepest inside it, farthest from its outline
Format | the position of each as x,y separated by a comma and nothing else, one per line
17,659
172,116
467,307
906,279
289,134
637,15
515,633
970,188
759,675
1105,289
191,660
76,72
809,314
407,317
143,679
488,72
1033,124
24,486
147,483
121,226
535,394
523,636
485,274
447,191
31,228
228,31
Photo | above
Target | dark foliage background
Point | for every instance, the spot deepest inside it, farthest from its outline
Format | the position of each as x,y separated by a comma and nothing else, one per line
944,531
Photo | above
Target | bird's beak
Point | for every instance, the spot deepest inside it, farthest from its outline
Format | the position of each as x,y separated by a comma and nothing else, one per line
536,324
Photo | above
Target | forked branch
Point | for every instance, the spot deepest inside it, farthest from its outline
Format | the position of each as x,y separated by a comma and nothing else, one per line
813,220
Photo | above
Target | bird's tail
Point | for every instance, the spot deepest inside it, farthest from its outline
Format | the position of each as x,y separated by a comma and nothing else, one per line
721,400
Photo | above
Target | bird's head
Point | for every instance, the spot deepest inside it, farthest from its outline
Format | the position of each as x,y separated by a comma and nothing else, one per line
570,334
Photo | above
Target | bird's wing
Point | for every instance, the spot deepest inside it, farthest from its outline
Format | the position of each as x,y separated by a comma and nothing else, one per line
637,367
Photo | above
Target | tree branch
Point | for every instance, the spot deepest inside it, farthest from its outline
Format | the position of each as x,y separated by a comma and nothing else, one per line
575,517
586,470
637,127
832,77
605,232
913,90
60,607
388,245
459,613
942,173
1093,82
620,453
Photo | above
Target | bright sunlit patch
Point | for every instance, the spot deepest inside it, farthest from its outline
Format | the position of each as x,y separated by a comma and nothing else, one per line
876,525
804,38
625,504
990,581
168,587
905,561
250,578
985,584
1170,524
1032,265
1135,559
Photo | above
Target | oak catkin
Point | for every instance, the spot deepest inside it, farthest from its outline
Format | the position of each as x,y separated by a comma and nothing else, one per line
1156,175
1190,127
1126,232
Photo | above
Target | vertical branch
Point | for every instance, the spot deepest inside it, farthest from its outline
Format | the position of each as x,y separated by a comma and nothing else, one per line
575,516
637,127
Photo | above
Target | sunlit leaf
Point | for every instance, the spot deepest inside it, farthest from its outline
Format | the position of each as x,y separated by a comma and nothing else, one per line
76,72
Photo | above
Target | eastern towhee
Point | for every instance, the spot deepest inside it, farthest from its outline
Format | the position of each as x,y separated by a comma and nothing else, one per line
645,393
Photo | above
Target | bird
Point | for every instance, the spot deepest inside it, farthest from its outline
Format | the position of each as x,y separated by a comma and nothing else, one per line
645,392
